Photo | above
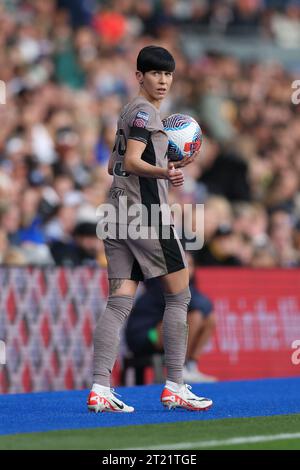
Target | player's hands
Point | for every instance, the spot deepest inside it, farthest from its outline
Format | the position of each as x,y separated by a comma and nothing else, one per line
186,160
175,176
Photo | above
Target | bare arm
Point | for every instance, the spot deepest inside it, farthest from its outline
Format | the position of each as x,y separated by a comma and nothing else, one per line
134,164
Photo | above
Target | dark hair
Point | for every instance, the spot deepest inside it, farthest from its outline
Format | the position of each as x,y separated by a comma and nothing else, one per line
155,58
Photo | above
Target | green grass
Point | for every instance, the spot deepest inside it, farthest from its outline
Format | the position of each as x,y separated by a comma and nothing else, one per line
290,444
163,434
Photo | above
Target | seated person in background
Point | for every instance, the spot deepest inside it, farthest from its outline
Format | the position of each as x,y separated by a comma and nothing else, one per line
85,249
144,327
220,250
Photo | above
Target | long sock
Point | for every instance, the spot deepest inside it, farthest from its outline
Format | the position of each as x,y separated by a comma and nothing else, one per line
107,336
175,333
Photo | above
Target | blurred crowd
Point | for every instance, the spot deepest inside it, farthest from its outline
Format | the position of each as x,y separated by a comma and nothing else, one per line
69,68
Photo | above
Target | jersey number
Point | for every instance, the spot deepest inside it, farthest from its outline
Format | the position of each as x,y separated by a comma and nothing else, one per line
121,146
119,171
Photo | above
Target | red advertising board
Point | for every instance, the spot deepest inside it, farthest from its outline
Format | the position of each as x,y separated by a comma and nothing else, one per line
258,322
47,318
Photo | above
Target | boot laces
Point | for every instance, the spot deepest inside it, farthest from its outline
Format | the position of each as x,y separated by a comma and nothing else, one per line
188,393
114,394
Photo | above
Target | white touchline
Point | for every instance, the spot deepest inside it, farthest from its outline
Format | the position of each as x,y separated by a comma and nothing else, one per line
221,442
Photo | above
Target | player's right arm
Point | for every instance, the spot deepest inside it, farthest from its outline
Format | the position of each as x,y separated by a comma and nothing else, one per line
134,164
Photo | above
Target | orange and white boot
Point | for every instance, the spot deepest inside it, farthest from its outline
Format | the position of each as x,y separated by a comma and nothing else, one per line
104,399
184,398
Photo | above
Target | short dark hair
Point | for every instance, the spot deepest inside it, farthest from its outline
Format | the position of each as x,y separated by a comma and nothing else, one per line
155,58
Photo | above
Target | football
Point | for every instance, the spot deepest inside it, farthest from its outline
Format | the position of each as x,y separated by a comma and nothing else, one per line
185,136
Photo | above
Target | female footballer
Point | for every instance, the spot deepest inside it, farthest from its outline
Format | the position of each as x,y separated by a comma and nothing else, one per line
141,174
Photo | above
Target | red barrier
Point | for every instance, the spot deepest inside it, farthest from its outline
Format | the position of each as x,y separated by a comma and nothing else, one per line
258,319
47,317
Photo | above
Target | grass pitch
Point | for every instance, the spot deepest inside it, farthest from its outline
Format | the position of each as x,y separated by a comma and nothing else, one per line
268,432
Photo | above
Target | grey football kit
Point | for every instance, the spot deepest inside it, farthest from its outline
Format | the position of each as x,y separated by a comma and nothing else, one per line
139,259
142,258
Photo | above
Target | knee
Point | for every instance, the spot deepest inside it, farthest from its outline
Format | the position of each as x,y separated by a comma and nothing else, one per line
183,297
119,306
119,300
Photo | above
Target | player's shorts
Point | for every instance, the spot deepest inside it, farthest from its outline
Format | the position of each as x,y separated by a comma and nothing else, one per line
142,259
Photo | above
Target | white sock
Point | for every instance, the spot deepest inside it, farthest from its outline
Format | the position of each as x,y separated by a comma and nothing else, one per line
100,389
173,386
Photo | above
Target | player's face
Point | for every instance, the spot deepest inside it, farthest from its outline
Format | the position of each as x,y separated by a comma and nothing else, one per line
156,84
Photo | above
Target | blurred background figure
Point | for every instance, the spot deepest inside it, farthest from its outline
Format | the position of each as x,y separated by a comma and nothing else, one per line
84,249
144,327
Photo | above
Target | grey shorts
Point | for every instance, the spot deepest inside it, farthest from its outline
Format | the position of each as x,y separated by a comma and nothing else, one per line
144,258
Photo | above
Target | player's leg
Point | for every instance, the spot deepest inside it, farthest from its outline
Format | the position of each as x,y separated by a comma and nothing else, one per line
167,256
175,335
175,282
164,258
106,345
122,288
108,328
175,329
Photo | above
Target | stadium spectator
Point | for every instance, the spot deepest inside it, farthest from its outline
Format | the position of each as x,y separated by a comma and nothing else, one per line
106,142
285,25
245,17
281,234
221,250
84,250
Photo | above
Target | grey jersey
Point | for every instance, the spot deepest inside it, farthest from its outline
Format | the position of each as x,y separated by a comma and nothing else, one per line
140,120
